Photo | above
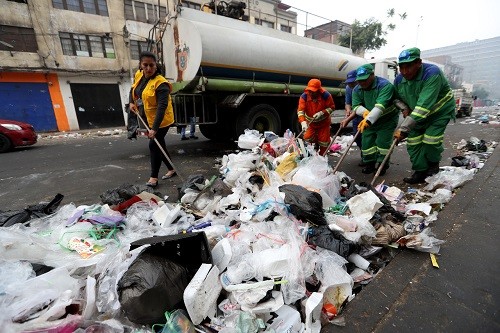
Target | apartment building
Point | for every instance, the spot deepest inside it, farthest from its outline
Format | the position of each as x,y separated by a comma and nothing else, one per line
68,64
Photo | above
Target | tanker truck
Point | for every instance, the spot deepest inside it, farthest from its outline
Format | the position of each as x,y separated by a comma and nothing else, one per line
231,75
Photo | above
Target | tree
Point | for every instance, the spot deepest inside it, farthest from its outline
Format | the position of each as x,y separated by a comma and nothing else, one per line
369,35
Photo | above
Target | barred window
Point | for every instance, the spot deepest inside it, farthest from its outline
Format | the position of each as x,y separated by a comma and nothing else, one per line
17,39
136,47
286,28
264,23
87,46
98,7
144,12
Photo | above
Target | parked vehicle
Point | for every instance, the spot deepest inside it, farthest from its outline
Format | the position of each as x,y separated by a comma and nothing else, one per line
15,134
232,75
464,102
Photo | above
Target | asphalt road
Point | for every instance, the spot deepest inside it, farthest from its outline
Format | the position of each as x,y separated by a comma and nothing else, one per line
83,165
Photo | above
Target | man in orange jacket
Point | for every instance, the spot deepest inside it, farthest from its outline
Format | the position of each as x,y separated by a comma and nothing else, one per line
315,108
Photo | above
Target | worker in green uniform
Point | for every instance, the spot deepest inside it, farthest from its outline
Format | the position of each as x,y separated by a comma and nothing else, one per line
425,90
373,99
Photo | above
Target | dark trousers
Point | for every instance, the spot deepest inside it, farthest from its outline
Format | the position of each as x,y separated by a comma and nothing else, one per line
156,154
355,123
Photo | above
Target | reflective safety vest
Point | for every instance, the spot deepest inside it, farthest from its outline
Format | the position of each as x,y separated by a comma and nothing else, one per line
149,99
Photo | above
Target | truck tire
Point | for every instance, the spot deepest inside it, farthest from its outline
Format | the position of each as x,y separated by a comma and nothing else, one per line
468,112
261,117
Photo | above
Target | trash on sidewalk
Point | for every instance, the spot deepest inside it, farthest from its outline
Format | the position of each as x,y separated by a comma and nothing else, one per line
275,242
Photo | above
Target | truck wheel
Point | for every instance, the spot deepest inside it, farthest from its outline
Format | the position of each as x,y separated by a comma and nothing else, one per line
469,112
5,143
261,117
293,122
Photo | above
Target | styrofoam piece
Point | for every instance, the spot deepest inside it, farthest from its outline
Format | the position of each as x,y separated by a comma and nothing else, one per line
314,304
275,303
90,307
336,294
229,286
200,296
285,320
164,216
222,254
359,261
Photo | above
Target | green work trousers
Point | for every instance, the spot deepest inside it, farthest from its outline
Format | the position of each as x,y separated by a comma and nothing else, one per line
425,141
377,138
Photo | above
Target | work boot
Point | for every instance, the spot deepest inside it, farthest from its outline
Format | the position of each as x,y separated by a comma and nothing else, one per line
369,168
384,169
418,177
433,168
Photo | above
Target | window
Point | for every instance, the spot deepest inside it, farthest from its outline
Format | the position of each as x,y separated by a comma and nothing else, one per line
264,23
17,39
190,4
98,7
136,47
285,28
87,46
144,12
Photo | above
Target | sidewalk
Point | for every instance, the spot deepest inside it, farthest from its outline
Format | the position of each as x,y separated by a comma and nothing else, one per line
463,295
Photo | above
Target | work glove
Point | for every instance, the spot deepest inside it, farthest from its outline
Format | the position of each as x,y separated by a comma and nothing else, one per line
399,135
304,125
318,115
364,124
365,114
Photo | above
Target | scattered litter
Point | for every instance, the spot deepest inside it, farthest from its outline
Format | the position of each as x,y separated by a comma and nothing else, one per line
274,239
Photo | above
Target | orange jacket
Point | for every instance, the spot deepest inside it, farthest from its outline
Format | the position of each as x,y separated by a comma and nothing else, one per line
308,107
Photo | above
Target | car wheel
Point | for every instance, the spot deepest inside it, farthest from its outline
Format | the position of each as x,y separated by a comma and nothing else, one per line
5,144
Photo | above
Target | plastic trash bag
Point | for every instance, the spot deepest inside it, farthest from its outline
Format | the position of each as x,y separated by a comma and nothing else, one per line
332,240
177,322
9,218
450,178
304,204
250,139
151,286
193,182
122,193
424,241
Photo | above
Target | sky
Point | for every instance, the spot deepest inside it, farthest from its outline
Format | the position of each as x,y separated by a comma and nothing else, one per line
429,24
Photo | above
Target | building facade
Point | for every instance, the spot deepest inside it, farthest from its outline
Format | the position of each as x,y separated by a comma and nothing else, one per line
68,64
480,61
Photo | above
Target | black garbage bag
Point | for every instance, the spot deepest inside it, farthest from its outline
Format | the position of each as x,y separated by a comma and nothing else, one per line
132,123
477,146
460,161
9,218
332,240
304,204
122,193
151,286
190,183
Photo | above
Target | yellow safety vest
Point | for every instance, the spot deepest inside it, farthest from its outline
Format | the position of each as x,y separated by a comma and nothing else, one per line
149,99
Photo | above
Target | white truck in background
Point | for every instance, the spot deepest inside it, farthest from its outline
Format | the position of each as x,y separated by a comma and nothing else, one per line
464,102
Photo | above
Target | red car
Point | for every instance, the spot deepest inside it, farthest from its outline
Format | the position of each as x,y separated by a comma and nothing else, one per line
15,134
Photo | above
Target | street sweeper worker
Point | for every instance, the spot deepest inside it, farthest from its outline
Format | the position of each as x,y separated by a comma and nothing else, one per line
373,99
425,90
314,111
150,93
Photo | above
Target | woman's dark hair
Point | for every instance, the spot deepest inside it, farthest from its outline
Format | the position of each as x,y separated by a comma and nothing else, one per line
147,54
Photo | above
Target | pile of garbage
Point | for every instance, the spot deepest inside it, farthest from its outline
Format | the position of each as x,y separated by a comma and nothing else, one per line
275,243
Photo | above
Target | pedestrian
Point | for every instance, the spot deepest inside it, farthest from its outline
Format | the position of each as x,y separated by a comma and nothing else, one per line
350,84
150,93
425,90
192,121
314,111
373,99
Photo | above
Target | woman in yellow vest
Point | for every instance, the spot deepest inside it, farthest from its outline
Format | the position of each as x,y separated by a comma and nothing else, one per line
151,93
